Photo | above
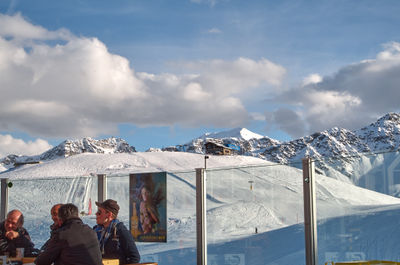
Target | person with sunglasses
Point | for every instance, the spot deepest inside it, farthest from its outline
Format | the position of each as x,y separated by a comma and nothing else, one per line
116,242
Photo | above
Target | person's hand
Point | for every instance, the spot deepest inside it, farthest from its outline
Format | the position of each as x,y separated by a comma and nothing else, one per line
12,235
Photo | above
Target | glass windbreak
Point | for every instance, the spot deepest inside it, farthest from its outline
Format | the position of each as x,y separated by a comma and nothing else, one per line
179,217
358,207
255,216
35,197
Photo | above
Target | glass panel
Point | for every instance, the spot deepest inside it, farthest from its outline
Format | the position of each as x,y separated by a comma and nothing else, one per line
181,218
255,215
358,207
34,198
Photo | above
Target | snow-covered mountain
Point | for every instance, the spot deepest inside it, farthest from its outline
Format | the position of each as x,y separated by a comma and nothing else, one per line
382,135
69,148
88,145
238,133
336,150
243,141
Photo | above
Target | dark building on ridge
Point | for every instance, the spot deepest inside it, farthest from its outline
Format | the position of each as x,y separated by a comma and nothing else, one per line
217,149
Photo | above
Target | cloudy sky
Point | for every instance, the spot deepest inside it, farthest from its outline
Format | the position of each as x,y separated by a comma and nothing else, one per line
159,73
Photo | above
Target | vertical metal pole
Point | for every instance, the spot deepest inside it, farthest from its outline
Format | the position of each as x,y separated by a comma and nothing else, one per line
205,161
310,212
102,187
201,216
4,199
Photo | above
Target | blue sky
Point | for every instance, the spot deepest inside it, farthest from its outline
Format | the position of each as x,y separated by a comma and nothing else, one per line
160,73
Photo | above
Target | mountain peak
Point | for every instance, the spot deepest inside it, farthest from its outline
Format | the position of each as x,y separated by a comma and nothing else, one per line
384,134
392,116
239,133
389,120
88,145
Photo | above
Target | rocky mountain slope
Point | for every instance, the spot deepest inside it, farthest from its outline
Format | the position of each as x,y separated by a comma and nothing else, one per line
336,151
384,134
70,148
243,141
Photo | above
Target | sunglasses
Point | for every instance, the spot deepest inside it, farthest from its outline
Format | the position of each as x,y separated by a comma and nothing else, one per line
99,212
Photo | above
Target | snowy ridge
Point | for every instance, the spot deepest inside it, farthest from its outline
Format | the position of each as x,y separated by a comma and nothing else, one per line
335,150
381,135
238,133
86,164
88,145
384,134
242,140
69,148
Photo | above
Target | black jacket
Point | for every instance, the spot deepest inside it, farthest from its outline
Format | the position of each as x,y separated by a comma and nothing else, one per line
74,243
10,246
120,245
53,228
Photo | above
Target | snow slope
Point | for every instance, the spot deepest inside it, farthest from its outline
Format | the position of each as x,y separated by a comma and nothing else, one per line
86,164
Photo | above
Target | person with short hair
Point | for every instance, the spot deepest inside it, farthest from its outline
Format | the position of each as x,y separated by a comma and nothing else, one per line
54,226
116,242
13,235
73,243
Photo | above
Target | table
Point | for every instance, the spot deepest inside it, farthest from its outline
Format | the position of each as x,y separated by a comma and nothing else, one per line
110,261
31,260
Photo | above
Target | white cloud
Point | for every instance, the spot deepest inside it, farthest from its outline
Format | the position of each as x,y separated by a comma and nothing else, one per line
10,145
194,92
355,96
78,88
17,27
235,77
331,103
312,79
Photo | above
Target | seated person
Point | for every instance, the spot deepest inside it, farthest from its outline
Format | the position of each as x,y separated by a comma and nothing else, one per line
13,235
54,226
116,242
73,243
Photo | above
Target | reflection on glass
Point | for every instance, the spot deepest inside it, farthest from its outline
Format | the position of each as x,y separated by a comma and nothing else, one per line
35,197
358,207
255,215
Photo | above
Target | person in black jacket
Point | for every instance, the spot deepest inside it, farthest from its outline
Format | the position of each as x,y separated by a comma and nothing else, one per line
116,242
54,226
74,243
13,235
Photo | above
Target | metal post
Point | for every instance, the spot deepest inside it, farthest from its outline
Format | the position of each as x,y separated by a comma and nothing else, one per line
4,199
310,212
102,187
205,161
201,216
